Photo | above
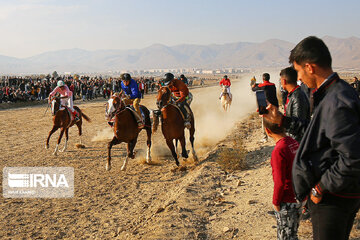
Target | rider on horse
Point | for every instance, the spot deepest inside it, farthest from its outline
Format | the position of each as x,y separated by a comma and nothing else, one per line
225,82
180,92
131,90
66,97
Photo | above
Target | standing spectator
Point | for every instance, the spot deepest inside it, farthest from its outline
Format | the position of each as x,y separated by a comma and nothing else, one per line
270,93
356,84
142,88
296,103
83,91
327,164
72,89
284,94
269,89
287,210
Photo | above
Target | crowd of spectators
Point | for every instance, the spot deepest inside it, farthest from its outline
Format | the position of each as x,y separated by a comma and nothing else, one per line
23,89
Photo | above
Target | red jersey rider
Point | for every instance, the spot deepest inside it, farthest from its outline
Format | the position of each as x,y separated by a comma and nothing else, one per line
225,82
180,92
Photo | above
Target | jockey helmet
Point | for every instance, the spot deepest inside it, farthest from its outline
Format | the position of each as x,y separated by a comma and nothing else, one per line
182,76
225,76
60,83
126,77
168,78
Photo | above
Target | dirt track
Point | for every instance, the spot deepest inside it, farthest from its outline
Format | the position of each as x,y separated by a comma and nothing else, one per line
145,201
106,204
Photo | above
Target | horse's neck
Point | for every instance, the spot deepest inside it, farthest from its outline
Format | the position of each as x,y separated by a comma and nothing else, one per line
170,110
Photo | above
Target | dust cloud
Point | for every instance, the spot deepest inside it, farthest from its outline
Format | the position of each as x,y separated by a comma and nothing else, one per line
103,135
212,123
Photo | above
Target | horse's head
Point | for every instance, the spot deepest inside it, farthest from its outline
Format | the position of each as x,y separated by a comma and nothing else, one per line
55,105
224,89
163,97
113,104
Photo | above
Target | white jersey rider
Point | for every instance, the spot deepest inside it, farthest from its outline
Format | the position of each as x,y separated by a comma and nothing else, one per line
66,97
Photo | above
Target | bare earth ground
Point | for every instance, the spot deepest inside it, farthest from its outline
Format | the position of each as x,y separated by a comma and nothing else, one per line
146,201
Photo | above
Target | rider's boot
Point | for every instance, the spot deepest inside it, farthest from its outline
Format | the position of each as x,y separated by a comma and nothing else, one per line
187,123
140,121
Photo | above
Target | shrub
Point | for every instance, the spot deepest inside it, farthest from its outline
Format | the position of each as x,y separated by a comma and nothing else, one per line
231,159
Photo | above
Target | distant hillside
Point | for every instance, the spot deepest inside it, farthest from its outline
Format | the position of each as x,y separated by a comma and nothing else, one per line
271,53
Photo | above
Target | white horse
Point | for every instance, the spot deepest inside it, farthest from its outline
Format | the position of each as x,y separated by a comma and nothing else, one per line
225,98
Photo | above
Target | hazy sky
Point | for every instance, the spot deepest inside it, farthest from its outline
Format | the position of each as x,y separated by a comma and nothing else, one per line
29,27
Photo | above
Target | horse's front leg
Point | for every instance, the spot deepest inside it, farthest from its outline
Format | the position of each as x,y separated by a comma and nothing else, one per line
59,140
130,153
148,143
184,153
66,140
48,138
114,141
170,144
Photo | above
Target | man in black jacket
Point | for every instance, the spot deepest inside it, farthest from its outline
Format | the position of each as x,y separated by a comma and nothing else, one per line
270,93
296,103
269,89
327,164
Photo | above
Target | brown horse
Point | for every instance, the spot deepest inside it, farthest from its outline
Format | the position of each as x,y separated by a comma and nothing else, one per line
172,124
62,120
126,128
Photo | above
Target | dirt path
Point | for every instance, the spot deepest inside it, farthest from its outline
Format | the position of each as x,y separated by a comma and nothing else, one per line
145,201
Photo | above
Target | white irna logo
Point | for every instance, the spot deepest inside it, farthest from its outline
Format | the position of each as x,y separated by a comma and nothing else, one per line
35,180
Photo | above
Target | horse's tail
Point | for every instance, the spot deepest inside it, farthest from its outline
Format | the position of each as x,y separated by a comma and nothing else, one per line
155,122
82,114
85,117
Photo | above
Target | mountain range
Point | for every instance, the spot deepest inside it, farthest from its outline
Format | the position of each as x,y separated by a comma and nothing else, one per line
271,53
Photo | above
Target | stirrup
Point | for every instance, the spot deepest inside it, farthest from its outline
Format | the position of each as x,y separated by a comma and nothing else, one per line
141,124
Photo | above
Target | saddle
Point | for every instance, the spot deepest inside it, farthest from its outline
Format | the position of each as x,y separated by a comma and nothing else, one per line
183,112
69,112
135,114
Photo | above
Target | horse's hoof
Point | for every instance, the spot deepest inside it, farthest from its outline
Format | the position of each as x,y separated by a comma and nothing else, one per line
123,168
46,146
108,167
148,160
55,153
182,168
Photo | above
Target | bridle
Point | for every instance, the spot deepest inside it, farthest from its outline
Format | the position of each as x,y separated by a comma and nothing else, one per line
118,109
